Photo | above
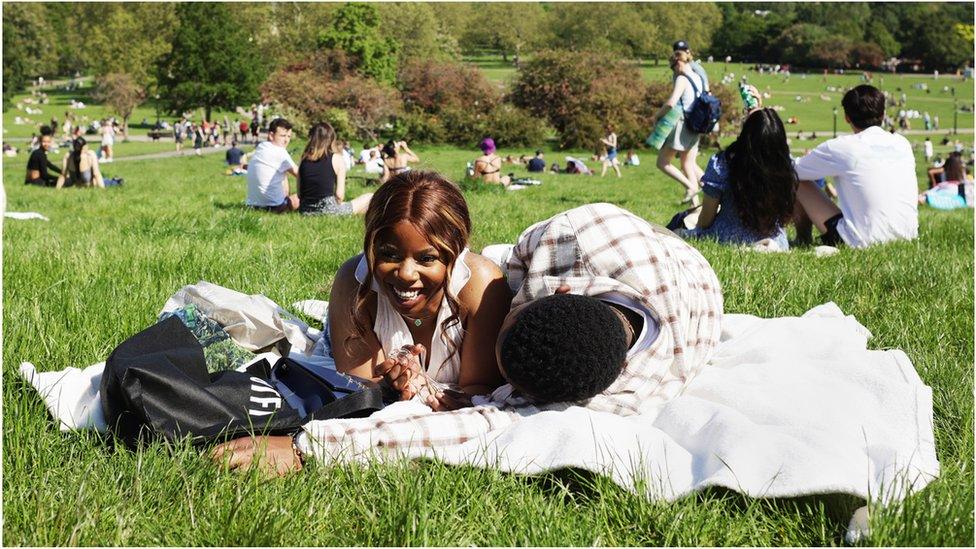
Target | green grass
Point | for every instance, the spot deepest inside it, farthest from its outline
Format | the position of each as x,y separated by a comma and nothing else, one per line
100,270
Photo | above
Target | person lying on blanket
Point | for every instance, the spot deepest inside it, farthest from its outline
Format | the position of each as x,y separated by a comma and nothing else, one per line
610,312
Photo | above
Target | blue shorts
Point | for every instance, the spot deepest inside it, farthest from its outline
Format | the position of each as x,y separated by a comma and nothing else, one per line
612,154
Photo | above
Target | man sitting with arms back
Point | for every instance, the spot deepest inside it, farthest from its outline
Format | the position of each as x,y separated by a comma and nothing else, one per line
611,313
38,163
537,163
874,173
268,170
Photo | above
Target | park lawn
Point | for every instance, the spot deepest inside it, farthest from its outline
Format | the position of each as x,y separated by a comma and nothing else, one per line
100,270
59,102
813,112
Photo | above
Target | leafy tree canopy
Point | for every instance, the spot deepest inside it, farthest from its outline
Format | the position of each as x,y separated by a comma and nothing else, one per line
212,63
356,30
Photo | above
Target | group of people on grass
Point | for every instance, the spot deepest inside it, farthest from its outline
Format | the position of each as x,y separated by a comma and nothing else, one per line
321,174
79,168
754,188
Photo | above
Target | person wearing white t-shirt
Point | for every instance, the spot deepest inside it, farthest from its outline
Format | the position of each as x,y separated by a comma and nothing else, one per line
268,170
874,172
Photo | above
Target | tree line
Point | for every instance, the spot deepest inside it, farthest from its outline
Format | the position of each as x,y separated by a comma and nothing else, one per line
397,64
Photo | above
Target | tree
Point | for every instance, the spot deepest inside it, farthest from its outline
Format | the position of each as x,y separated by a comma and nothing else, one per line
867,54
325,84
673,22
793,45
128,38
741,35
579,92
520,28
121,93
213,63
832,51
612,27
356,30
879,34
25,52
282,30
418,31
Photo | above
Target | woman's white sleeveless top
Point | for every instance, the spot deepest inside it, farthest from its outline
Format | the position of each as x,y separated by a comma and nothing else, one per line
393,333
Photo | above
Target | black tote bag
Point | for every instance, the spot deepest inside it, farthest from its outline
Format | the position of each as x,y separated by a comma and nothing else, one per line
156,384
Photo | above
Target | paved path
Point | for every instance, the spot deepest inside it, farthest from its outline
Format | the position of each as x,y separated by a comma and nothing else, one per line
184,152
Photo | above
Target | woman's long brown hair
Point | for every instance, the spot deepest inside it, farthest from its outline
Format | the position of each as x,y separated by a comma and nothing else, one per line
437,209
321,141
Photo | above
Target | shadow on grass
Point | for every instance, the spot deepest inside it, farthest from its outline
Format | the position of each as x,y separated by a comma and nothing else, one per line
582,487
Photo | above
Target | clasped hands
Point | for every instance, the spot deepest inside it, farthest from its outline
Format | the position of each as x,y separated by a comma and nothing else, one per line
402,370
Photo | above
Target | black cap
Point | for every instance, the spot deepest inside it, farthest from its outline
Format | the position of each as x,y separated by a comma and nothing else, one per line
681,45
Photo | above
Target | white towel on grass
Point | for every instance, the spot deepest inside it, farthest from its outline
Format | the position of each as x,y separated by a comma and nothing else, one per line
787,407
25,215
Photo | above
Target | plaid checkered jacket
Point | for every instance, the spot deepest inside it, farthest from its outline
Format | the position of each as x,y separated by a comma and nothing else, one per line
594,249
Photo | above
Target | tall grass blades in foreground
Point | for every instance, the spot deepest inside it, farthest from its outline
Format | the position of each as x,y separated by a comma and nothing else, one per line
101,269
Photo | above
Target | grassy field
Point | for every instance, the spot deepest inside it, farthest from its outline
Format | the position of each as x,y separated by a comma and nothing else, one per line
100,270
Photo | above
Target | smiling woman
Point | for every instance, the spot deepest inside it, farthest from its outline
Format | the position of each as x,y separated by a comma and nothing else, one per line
417,288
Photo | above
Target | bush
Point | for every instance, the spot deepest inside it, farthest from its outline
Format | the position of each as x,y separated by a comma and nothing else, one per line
418,126
511,126
432,86
322,86
462,127
580,92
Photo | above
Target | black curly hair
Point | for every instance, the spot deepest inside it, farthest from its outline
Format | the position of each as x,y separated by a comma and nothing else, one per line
761,174
564,348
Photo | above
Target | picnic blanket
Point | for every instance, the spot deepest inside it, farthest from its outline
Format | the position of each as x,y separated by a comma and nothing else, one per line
786,407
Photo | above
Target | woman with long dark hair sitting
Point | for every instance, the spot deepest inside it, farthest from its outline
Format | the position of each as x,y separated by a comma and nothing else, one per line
750,187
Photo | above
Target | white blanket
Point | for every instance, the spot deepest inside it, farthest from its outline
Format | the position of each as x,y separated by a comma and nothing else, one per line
787,407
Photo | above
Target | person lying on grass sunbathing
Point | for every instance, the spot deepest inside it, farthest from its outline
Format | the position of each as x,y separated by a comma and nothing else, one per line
610,312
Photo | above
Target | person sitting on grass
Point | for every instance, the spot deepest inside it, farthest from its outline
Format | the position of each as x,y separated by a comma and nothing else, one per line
632,159
374,164
38,163
268,171
750,187
488,166
236,159
874,173
80,168
416,306
397,157
322,177
537,164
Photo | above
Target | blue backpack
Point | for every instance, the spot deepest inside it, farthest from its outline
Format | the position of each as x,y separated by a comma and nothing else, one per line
705,110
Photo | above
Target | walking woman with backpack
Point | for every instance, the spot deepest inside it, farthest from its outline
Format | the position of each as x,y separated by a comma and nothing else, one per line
682,141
